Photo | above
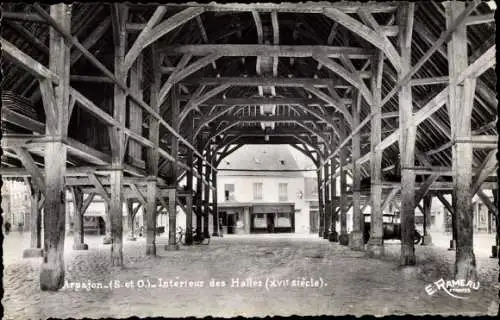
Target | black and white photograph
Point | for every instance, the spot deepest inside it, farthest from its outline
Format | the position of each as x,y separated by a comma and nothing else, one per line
225,159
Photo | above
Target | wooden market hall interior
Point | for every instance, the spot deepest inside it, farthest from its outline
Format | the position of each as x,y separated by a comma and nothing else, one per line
126,100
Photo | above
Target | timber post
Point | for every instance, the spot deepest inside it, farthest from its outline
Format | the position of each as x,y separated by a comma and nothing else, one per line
151,214
56,102
35,249
427,239
174,153
407,138
172,213
199,190
376,242
206,194
189,197
326,191
215,210
343,237
319,175
78,231
356,241
130,220
333,235
460,98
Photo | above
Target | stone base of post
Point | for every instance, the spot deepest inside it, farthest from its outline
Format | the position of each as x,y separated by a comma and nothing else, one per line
326,233
333,236
171,247
344,239
453,245
356,241
106,239
375,247
32,253
494,252
427,240
80,246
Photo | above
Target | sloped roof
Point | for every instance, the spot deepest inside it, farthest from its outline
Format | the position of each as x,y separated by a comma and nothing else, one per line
260,157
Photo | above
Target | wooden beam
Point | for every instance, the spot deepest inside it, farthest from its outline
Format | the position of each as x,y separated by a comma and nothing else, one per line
429,81
487,167
390,197
445,37
141,39
99,186
185,72
26,62
171,23
248,50
109,74
350,77
193,104
425,187
139,195
35,171
480,19
385,44
327,98
276,39
487,202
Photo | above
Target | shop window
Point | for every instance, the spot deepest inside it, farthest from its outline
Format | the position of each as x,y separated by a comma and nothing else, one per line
257,191
283,191
259,220
284,220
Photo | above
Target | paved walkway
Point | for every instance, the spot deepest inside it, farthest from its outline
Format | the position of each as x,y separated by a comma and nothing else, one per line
263,275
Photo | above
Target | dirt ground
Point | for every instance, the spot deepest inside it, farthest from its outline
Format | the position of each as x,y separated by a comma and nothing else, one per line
262,275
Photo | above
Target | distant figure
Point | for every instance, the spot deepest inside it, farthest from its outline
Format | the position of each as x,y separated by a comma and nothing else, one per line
141,231
7,227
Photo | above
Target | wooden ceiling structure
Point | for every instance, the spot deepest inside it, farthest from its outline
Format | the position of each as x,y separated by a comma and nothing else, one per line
132,98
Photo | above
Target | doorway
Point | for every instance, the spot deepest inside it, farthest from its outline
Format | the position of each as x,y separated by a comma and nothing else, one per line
231,223
270,222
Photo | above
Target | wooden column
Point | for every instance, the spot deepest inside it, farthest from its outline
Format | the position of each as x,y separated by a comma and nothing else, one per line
344,237
199,190
215,211
135,112
35,249
78,232
150,211
326,190
334,203
319,176
206,197
406,144
172,212
56,102
460,105
376,243
427,220
117,142
130,220
189,198
153,156
107,224
356,241
174,152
